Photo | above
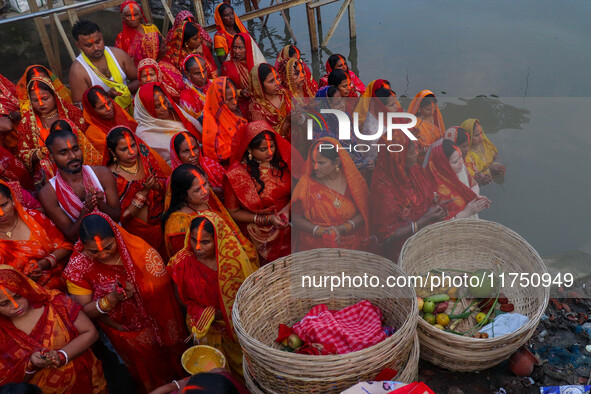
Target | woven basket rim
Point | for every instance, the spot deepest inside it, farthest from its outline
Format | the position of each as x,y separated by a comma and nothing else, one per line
312,359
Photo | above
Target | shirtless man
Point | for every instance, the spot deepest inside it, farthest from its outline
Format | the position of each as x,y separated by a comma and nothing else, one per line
77,189
83,75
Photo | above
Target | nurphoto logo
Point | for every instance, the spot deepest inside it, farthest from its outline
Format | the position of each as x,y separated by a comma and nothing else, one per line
393,122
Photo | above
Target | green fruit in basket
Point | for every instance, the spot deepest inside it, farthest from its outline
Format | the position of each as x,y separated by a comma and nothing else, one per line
429,318
294,342
481,283
428,307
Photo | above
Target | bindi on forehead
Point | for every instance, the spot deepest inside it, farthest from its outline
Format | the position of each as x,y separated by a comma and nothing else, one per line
99,243
128,140
190,144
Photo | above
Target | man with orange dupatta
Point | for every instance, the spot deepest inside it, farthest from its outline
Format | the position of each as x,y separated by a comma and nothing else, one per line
220,120
102,114
30,242
122,284
208,272
430,127
134,24
45,339
330,202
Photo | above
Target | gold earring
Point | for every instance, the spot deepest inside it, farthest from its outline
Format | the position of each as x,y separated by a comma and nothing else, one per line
249,156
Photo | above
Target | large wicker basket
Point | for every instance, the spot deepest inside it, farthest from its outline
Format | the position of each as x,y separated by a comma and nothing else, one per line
409,374
274,295
472,244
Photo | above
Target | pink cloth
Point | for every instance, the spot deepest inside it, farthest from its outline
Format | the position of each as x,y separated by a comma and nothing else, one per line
351,329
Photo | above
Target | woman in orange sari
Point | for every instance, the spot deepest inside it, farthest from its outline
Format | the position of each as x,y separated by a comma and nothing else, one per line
208,272
330,202
42,110
244,55
102,114
134,24
430,127
221,120
122,283
402,197
141,182
193,96
190,195
228,25
292,52
45,339
41,71
270,102
30,242
257,187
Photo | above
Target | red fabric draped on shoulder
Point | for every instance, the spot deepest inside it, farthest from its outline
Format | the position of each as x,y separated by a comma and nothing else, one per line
54,329
448,185
399,195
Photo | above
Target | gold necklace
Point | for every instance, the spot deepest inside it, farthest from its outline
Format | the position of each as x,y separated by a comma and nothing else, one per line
9,233
336,202
51,115
133,170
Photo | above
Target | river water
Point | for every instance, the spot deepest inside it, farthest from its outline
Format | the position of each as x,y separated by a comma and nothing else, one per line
527,61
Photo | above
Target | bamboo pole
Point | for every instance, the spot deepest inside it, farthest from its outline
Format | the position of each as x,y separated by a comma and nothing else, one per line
352,24
147,11
62,32
335,23
167,10
167,21
199,13
312,28
45,41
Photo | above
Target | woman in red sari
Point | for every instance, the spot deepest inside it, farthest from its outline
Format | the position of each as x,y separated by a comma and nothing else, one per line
41,71
42,110
244,55
159,118
402,197
193,96
208,272
184,149
270,102
454,183
330,202
30,242
9,113
430,127
338,62
221,120
293,79
141,182
228,25
122,283
258,189
134,24
183,16
292,52
102,114
186,40
149,71
190,195
45,339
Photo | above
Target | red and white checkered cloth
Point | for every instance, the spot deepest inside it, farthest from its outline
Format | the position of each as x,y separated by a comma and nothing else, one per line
351,329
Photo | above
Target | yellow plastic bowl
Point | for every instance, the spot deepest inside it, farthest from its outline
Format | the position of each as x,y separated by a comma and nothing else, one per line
202,358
